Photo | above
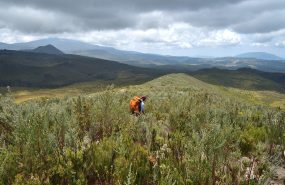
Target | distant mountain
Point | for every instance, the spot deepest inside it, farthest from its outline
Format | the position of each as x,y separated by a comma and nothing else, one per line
96,51
3,45
259,55
231,63
28,69
133,58
48,49
65,45
183,63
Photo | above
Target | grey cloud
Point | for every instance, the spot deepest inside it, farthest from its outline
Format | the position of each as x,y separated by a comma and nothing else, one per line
35,19
263,39
271,38
98,14
56,16
88,6
31,20
247,17
264,23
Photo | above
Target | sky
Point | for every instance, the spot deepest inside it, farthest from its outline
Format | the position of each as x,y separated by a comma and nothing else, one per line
173,27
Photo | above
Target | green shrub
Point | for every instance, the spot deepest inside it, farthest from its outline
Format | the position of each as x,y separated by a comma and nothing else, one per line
189,135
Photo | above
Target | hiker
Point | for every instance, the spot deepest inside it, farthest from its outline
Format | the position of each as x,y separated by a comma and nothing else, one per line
137,105
143,98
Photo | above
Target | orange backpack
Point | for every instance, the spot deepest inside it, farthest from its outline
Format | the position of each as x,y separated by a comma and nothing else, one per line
134,104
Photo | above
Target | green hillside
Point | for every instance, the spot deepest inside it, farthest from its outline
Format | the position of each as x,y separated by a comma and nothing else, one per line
27,69
192,133
243,78
39,70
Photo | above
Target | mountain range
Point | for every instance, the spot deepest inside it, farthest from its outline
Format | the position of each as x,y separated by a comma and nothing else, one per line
260,55
258,60
48,66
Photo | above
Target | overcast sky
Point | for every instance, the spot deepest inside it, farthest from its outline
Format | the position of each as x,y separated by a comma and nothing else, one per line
176,27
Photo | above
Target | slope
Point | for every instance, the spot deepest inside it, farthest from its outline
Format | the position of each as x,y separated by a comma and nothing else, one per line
192,133
170,83
243,78
180,82
44,70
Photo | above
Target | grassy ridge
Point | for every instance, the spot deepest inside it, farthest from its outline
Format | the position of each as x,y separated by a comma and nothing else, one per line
266,98
192,133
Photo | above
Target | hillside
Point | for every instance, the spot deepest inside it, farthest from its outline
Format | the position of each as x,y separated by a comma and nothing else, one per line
192,133
134,58
184,63
243,78
259,55
45,70
264,97
48,49
27,69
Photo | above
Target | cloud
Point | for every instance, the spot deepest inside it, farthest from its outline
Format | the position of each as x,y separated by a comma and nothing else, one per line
178,35
29,20
172,24
65,15
255,16
53,16
265,23
11,36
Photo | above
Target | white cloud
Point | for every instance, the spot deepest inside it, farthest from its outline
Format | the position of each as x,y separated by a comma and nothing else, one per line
178,35
220,38
280,44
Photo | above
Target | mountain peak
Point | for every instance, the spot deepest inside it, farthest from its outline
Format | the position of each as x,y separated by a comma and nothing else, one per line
48,49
